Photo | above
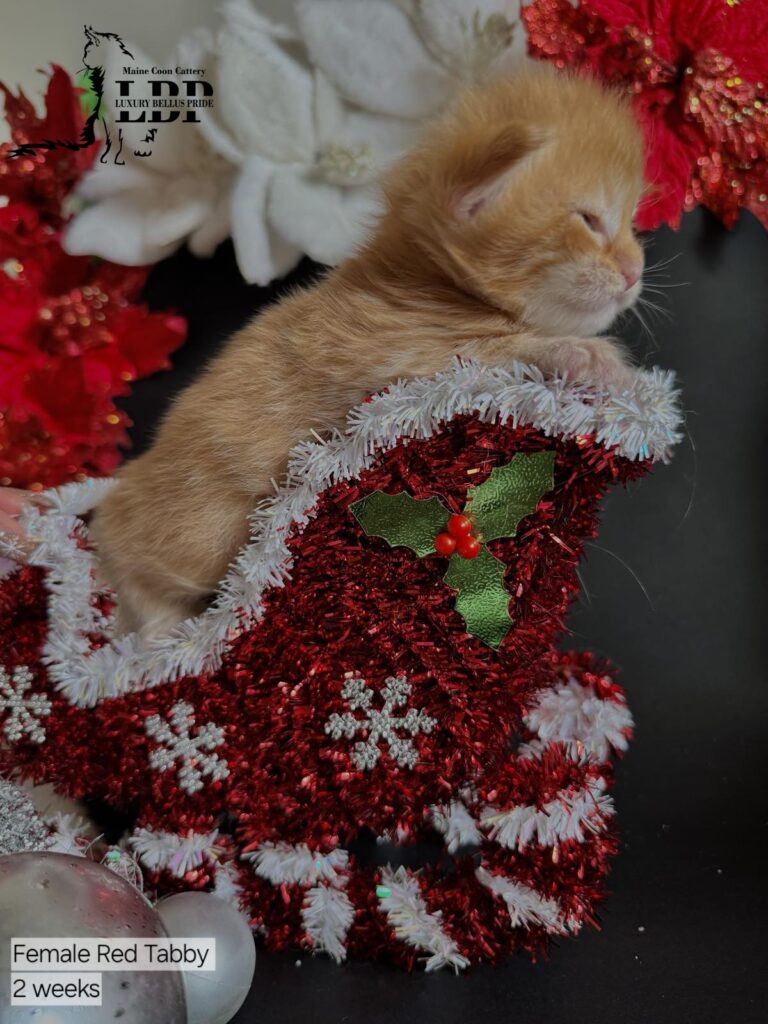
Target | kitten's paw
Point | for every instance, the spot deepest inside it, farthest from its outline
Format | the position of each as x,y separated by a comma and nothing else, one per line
591,361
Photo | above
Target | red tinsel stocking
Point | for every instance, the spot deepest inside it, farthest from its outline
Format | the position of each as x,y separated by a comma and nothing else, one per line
340,687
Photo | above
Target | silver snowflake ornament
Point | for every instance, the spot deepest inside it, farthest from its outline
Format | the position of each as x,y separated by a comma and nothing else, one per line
379,726
24,709
193,752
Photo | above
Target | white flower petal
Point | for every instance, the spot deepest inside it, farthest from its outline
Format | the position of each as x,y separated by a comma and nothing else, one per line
242,16
214,229
372,53
181,207
218,136
199,49
285,255
328,223
194,49
474,40
108,178
264,99
169,146
115,230
250,234
329,109
367,143
388,137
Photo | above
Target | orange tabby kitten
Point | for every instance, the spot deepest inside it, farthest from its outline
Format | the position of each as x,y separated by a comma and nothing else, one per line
506,235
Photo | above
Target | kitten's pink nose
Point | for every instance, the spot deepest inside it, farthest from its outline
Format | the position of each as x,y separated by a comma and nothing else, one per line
631,271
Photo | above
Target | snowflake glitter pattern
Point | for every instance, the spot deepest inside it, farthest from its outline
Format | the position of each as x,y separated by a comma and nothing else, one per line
177,744
379,725
24,711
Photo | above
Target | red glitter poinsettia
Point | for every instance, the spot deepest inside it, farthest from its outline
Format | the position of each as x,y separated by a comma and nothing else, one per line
72,336
698,72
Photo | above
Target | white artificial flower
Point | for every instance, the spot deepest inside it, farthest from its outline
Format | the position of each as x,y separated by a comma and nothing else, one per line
307,164
406,58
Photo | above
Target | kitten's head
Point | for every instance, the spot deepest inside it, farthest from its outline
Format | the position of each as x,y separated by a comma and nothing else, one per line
524,195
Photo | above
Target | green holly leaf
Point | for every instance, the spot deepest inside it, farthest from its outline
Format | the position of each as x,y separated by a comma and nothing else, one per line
509,494
482,600
402,520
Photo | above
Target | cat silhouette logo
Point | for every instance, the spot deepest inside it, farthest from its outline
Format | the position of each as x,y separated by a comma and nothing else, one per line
130,122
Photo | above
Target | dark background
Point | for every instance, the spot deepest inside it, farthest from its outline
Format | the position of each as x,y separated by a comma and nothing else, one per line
675,592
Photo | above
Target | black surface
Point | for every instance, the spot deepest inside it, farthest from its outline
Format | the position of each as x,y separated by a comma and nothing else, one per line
684,934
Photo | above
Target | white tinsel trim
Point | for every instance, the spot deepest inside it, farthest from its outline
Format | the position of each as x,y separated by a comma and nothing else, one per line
413,924
327,915
226,885
584,723
568,816
70,833
394,837
573,924
457,826
282,863
78,499
643,423
177,854
526,907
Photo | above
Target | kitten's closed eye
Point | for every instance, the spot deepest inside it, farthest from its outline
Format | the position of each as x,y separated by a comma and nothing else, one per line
594,222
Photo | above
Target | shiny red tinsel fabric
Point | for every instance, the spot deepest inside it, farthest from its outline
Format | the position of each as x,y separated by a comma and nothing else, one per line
73,336
355,605
697,71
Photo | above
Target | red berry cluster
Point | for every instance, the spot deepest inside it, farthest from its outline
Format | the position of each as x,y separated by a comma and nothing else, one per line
459,538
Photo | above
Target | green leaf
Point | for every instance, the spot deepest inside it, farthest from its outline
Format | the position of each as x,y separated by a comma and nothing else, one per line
482,600
509,494
89,99
402,520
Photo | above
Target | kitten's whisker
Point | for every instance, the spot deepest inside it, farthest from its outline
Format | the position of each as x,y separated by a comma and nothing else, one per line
664,263
652,346
653,286
652,303
629,569
661,284
584,588
654,307
643,323
654,290
694,481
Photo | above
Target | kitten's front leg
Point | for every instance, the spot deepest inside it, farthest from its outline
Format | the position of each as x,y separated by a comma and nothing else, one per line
599,361
591,360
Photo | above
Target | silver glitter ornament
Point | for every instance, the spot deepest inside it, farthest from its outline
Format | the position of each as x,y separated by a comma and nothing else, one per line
55,895
21,828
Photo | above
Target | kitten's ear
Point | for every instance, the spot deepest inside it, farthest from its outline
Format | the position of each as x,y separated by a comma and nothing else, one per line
486,171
